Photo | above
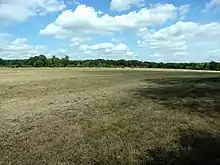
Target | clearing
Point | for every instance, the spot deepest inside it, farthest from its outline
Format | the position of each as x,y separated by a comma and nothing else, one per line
109,116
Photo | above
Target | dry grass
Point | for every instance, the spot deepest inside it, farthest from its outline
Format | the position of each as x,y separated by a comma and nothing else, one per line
108,116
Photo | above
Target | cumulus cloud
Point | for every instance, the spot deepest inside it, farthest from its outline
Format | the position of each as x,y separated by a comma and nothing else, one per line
86,20
121,5
76,41
107,49
166,39
75,2
214,52
4,36
214,55
212,5
20,10
183,10
19,48
61,52
180,38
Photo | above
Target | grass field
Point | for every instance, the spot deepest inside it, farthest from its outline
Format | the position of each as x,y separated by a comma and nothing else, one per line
109,116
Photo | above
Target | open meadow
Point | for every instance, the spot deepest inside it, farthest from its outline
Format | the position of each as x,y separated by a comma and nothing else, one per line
72,116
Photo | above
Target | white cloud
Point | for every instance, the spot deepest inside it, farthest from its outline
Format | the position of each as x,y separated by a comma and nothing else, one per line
20,10
120,48
214,52
60,53
19,41
76,41
100,12
130,54
179,54
57,31
183,10
121,5
164,39
4,36
214,55
107,49
88,52
86,20
180,39
97,47
212,5
156,55
75,2
216,2
19,48
115,40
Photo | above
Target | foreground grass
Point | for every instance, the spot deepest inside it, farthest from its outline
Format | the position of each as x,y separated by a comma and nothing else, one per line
84,116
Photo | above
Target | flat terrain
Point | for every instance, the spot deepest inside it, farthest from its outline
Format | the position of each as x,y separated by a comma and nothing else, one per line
109,116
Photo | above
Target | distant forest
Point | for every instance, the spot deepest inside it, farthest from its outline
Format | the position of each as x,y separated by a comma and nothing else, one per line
42,61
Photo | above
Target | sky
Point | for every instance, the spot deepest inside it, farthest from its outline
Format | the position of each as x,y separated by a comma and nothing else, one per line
148,30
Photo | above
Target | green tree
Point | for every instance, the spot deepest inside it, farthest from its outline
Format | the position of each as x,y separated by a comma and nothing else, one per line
2,62
42,58
56,62
65,61
48,62
38,63
213,65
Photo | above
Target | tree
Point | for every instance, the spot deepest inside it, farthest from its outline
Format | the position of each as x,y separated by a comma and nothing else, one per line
31,61
42,58
48,62
2,62
38,63
65,61
56,62
42,61
213,65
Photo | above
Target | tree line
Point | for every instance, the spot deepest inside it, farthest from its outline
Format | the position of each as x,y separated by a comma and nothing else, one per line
42,61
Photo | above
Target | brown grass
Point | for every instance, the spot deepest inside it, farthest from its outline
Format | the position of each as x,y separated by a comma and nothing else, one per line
115,116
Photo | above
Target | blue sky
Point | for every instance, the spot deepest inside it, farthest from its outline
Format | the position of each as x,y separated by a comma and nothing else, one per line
150,30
